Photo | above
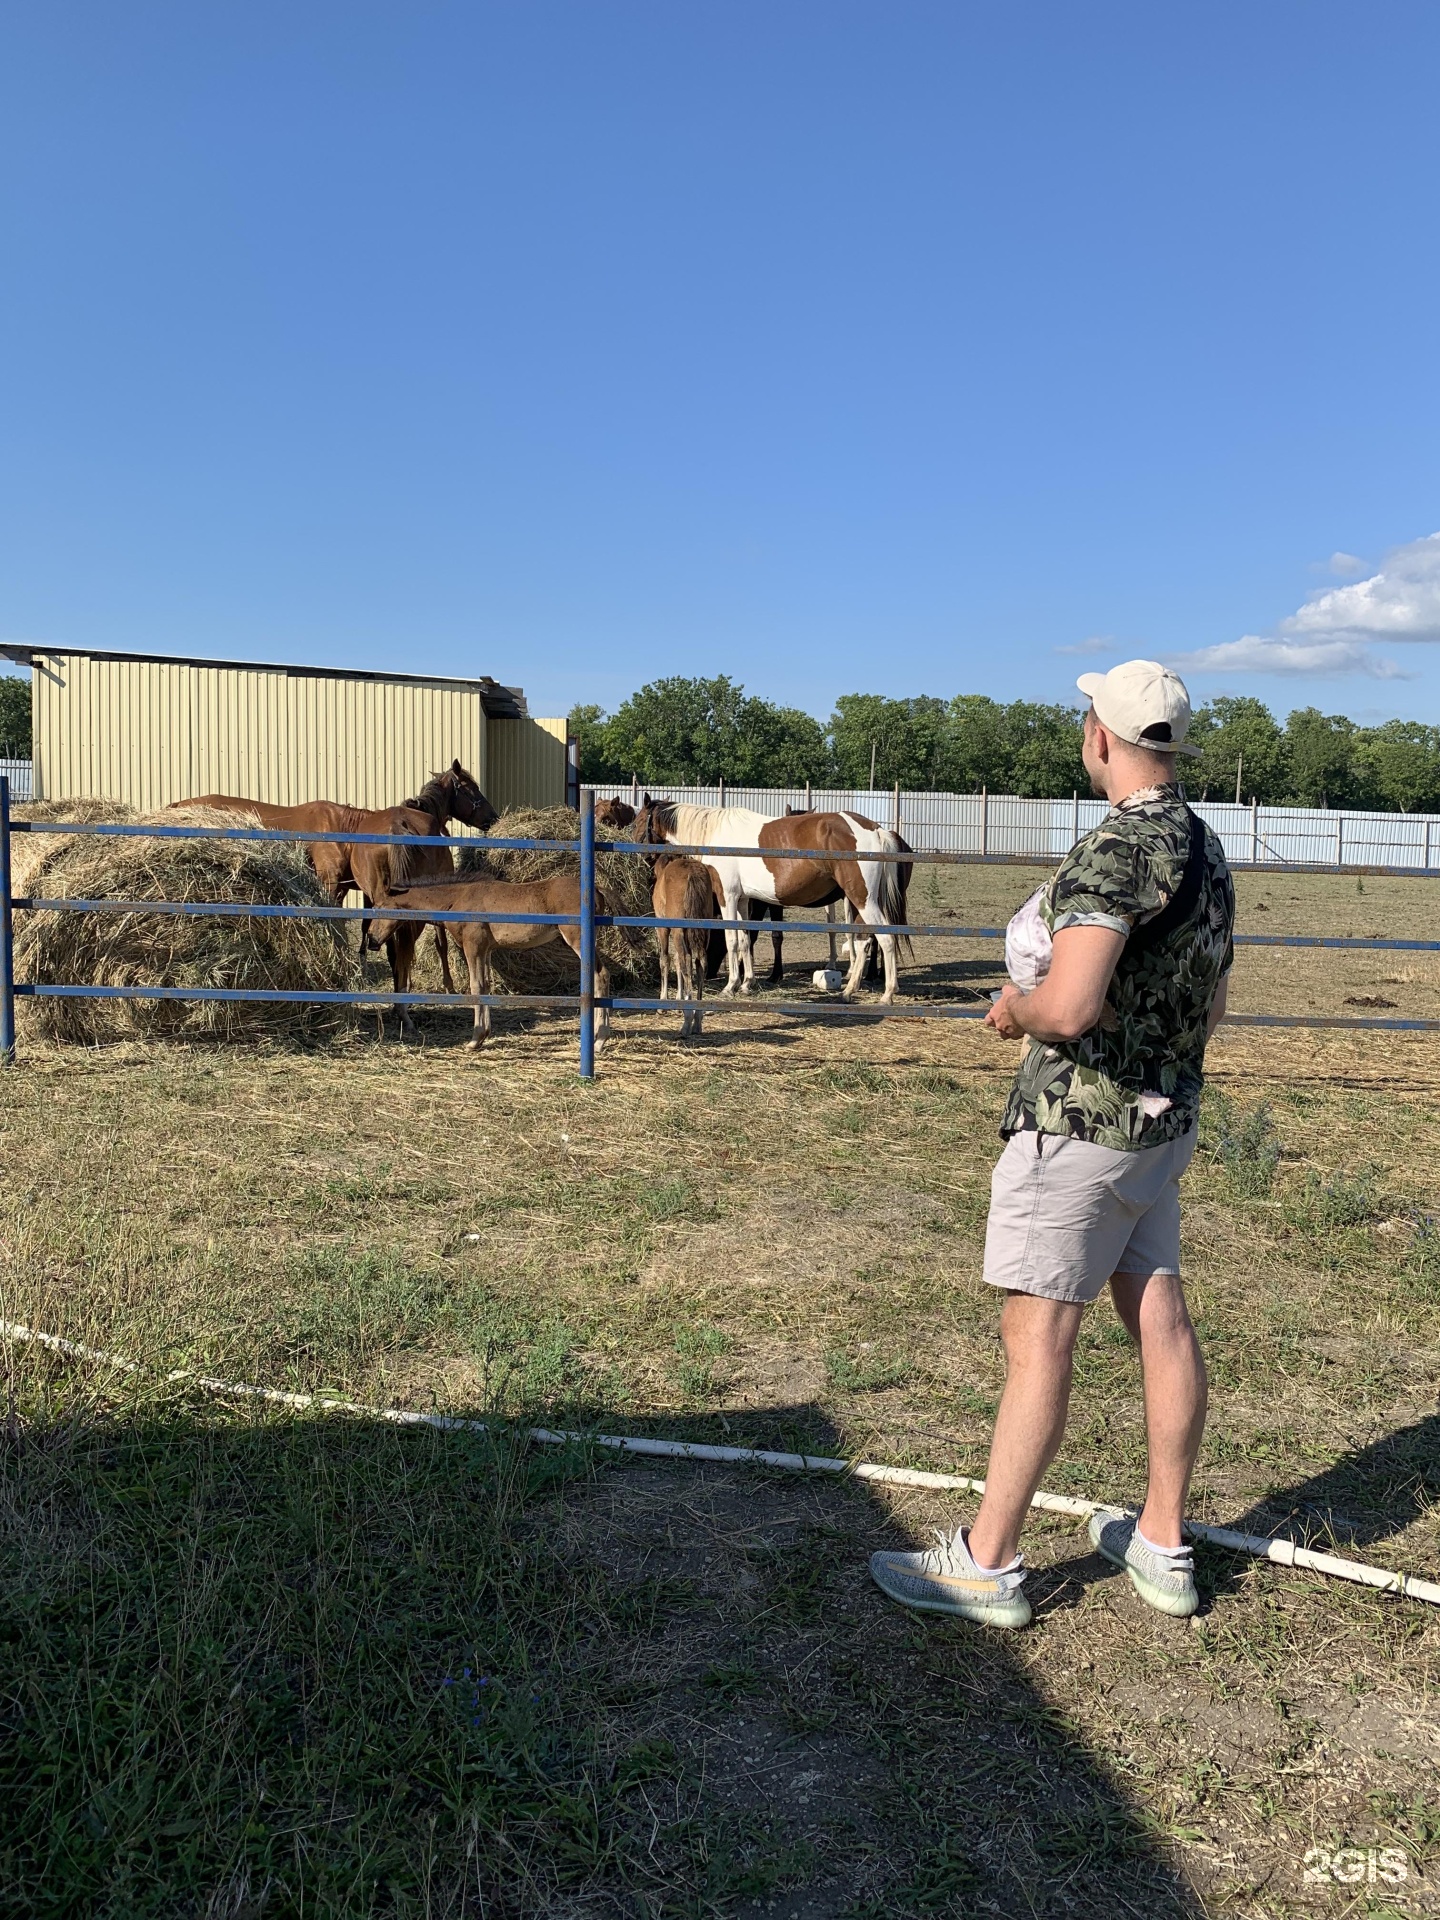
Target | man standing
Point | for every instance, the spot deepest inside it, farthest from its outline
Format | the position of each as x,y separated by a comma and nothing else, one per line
1099,1127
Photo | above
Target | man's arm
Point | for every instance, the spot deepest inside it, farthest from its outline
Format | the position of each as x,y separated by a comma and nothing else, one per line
1069,1000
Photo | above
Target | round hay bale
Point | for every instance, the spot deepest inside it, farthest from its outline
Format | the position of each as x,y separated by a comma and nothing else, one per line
173,950
625,880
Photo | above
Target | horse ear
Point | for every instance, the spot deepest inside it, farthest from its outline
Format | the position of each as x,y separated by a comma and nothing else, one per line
455,767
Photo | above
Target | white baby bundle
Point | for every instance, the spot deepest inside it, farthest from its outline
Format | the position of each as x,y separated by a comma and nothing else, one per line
1027,944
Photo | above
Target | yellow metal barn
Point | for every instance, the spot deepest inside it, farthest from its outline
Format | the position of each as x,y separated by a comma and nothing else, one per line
148,729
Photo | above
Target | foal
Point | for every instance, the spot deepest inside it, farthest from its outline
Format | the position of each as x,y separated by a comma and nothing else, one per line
682,891
479,938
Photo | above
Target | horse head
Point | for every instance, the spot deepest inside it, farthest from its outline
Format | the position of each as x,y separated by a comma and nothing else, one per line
655,821
455,794
613,813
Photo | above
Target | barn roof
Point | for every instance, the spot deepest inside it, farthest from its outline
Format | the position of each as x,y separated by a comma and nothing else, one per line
498,702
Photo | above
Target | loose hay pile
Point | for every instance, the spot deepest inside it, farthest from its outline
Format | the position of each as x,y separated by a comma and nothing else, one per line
172,950
625,880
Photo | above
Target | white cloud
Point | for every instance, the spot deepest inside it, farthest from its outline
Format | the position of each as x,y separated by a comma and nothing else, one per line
1400,602
1097,643
1334,631
1255,654
1345,564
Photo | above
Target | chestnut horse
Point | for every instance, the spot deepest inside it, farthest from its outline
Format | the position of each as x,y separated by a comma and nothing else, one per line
683,891
875,889
375,870
560,893
613,813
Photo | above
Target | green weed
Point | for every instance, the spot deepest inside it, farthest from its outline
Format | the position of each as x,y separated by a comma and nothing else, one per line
1246,1144
865,1371
699,1346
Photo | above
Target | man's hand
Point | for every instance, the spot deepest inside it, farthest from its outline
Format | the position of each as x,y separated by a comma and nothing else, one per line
1002,1013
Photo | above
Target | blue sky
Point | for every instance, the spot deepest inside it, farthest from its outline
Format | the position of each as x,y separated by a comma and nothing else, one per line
915,348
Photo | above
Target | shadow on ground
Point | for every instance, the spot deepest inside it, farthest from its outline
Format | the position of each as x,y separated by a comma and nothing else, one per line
261,1665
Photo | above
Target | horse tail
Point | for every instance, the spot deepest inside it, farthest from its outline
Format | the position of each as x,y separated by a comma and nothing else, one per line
699,899
893,886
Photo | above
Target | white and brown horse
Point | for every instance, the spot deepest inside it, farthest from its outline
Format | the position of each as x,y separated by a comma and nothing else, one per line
874,888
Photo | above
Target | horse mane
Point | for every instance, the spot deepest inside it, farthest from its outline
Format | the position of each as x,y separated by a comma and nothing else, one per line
402,859
434,796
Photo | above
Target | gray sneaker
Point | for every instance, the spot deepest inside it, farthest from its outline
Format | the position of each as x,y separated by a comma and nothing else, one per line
947,1580
1161,1582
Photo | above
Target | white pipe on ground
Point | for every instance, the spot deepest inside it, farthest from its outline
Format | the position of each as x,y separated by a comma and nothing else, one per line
1285,1553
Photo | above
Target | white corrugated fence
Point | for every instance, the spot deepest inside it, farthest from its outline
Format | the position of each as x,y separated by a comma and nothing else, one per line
20,774
999,823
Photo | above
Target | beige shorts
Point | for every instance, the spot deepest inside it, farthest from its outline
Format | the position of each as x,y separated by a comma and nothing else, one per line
1065,1214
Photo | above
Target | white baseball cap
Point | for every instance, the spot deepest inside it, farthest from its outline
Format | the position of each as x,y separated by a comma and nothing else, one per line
1144,703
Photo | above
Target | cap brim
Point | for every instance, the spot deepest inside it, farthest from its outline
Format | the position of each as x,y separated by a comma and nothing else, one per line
1090,684
1190,753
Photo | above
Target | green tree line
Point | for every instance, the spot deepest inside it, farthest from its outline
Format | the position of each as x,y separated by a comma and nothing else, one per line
696,732
14,717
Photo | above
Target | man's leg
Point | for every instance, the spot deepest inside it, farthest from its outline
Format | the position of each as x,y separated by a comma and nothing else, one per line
1153,1309
1039,1336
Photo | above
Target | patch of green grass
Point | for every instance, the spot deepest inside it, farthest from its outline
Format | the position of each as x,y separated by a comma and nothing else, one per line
866,1370
729,1679
855,1076
699,1346
339,1306
306,1656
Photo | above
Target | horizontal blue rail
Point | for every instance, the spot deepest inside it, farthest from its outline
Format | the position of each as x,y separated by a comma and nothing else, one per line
261,910
718,1003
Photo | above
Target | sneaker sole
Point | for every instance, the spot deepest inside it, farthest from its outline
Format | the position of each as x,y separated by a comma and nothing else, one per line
1013,1616
1178,1605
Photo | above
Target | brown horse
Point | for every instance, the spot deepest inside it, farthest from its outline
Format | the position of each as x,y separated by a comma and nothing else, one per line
560,893
875,889
613,813
682,891
374,870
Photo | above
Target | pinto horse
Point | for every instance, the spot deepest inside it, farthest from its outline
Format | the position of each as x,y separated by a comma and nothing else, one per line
374,871
875,889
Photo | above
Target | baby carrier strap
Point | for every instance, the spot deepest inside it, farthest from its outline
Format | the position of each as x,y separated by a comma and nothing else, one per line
1180,907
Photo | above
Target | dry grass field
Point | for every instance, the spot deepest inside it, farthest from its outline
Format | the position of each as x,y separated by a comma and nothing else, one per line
260,1664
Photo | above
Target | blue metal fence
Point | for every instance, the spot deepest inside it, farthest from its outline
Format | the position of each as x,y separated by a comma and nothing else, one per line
589,920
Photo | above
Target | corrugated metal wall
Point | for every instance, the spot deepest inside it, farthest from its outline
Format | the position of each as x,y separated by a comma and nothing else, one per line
149,732
527,763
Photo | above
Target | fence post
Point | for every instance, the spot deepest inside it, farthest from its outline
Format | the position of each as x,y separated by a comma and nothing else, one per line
1075,818
809,802
7,935
1428,824
984,821
1339,839
1254,831
897,806
572,774
587,935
